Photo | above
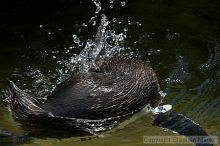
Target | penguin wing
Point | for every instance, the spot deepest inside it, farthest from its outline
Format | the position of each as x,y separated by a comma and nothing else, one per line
184,126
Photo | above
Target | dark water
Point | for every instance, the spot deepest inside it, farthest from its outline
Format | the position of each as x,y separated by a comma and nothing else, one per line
180,39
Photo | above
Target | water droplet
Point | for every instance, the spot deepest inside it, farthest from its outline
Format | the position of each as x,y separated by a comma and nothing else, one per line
84,25
94,23
113,19
163,94
92,18
98,6
125,29
74,36
111,1
123,3
80,44
138,23
111,6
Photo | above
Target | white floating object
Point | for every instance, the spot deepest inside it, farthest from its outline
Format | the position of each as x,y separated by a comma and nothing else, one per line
161,109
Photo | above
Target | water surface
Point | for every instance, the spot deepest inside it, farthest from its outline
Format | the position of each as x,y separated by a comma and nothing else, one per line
180,39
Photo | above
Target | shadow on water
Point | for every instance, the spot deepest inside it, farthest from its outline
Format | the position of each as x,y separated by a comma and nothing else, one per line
180,39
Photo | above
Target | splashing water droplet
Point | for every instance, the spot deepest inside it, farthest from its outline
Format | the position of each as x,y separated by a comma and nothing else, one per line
94,23
98,6
125,29
92,18
74,36
111,1
113,19
84,25
105,44
123,3
111,6
77,41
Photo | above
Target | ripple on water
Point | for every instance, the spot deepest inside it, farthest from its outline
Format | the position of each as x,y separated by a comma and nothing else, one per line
200,103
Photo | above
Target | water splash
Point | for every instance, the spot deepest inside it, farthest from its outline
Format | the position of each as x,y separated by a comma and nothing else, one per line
98,6
40,83
92,49
123,3
105,44
111,1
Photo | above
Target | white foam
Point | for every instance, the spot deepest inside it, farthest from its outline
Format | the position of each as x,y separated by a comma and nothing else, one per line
161,109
